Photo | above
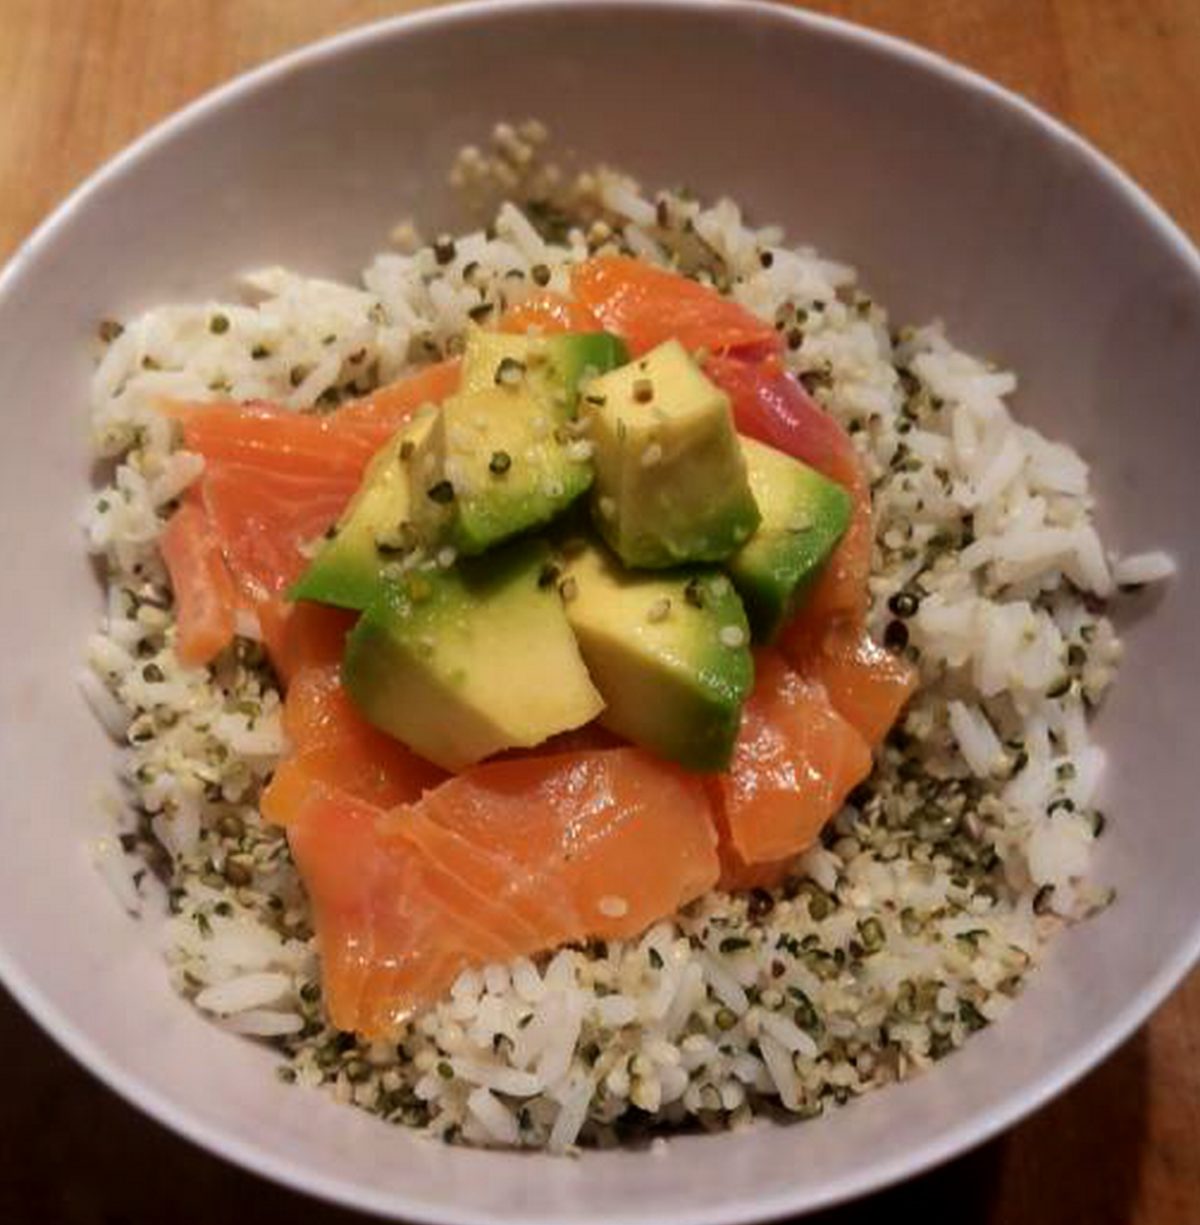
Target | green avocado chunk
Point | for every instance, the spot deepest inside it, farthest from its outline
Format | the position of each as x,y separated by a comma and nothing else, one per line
804,515
464,662
669,652
551,365
374,532
505,454
496,463
671,483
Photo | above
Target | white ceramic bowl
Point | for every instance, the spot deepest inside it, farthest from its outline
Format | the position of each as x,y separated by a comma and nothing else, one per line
954,198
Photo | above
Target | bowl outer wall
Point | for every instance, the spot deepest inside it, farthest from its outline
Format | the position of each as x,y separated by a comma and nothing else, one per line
952,197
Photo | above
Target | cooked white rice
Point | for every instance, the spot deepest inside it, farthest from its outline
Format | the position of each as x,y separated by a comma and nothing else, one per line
932,893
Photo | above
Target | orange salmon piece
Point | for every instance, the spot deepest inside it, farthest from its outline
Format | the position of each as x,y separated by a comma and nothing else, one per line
303,636
648,305
284,440
205,599
267,520
549,313
795,761
506,859
379,415
334,750
867,684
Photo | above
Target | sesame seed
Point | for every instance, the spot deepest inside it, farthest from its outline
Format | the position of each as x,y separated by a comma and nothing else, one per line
732,636
446,557
652,455
580,450
612,907
608,507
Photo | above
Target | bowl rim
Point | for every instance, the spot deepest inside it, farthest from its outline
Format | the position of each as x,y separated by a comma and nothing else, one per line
391,1205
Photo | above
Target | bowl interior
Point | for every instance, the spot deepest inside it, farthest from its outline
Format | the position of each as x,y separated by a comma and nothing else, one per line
952,199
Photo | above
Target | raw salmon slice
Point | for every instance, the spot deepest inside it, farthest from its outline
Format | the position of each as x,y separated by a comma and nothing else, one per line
318,710
738,876
264,435
647,305
303,636
507,859
267,522
770,404
867,685
204,591
549,313
795,761
380,775
273,482
283,440
335,751
378,416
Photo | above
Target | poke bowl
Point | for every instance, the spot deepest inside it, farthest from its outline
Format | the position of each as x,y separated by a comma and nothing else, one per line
660,697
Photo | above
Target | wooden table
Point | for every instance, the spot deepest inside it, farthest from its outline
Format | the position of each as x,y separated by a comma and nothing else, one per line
81,78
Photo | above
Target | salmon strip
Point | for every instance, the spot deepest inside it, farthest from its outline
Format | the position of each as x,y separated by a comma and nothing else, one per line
507,859
647,305
335,750
549,313
380,775
266,521
770,404
283,440
795,761
274,480
302,636
262,435
867,684
379,415
205,598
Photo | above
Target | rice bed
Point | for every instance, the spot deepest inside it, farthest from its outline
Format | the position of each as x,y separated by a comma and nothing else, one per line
932,894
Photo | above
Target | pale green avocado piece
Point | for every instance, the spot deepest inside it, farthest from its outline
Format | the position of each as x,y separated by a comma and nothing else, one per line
804,515
671,483
496,463
374,531
550,365
464,662
669,652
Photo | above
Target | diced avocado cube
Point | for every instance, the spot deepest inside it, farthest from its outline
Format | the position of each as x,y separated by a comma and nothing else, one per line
668,651
551,365
804,515
375,530
671,482
495,464
464,662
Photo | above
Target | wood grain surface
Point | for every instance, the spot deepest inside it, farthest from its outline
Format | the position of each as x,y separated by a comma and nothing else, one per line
80,78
